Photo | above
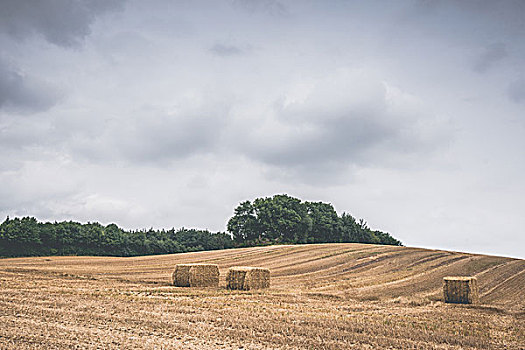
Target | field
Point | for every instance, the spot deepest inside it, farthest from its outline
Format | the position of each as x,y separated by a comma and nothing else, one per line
326,296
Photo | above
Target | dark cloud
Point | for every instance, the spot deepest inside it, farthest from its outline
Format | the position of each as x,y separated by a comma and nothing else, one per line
21,93
491,55
226,50
516,91
61,22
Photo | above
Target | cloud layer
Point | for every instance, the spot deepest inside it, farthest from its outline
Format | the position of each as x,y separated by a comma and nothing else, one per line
61,22
23,93
169,113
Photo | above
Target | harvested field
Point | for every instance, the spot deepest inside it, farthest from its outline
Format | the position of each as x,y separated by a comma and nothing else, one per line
324,296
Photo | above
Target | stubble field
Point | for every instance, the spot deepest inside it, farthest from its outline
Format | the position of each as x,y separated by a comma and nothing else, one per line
325,296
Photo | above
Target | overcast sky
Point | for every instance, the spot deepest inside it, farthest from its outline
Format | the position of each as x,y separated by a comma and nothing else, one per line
409,114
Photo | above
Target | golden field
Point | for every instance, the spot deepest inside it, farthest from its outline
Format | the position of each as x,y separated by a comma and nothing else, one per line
323,296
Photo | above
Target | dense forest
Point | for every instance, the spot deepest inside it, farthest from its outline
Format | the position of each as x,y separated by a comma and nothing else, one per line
271,220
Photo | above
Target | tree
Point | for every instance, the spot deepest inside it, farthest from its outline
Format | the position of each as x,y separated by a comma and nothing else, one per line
282,218
28,237
243,224
285,219
277,219
326,225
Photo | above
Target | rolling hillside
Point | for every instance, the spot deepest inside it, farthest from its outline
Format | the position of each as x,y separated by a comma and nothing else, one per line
328,296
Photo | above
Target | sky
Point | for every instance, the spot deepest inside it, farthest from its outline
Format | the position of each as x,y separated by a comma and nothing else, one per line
409,114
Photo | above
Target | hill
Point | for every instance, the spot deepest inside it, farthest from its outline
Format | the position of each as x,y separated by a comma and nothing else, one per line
323,296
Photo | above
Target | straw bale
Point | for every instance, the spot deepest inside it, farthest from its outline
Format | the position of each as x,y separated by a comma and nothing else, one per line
181,275
461,290
235,277
196,275
247,278
204,275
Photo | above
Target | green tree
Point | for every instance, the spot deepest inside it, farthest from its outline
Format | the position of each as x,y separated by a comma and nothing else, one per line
326,225
243,225
282,219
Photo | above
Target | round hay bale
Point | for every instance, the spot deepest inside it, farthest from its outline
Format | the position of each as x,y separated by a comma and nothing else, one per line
247,278
460,290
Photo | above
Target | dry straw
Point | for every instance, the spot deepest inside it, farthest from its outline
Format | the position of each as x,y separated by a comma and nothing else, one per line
247,278
461,290
196,275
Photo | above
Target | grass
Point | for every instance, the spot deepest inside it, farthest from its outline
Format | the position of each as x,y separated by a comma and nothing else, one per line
87,302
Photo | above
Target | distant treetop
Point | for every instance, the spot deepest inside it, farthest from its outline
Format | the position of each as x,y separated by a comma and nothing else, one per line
285,219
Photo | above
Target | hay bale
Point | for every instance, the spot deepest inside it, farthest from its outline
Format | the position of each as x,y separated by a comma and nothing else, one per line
196,275
181,275
461,290
204,275
235,277
247,278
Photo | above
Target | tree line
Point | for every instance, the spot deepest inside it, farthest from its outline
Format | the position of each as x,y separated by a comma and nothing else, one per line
29,237
272,220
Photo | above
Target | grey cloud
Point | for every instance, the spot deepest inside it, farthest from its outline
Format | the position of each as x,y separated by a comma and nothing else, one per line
268,116
465,24
35,185
337,127
509,14
516,91
339,144
153,136
491,55
343,138
166,137
226,50
271,7
20,93
61,22
17,134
